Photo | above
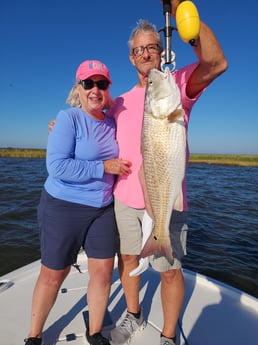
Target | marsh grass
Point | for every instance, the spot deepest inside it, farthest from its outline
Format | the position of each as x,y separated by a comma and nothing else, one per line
22,153
237,160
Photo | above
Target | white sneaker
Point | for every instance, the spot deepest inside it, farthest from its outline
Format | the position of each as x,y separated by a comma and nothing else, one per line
130,325
166,341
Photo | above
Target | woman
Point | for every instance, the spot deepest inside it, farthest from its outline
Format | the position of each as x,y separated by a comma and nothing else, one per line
76,205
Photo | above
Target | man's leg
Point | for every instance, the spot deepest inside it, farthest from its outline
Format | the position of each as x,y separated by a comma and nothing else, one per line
130,234
172,297
172,279
130,285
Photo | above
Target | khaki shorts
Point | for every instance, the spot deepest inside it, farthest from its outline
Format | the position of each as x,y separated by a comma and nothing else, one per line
130,234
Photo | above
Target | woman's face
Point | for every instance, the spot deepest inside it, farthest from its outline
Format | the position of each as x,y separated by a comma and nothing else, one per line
94,94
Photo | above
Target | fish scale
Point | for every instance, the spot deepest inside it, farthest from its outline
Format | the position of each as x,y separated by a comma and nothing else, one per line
164,154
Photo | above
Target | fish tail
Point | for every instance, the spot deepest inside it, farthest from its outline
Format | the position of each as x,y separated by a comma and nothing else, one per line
158,247
167,251
151,247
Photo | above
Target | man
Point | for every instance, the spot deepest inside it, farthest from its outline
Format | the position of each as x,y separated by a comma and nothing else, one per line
145,54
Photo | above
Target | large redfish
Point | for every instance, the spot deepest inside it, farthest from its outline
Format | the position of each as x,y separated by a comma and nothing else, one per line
164,158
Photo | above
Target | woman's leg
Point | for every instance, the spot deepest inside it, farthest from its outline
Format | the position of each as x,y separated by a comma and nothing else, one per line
44,297
100,273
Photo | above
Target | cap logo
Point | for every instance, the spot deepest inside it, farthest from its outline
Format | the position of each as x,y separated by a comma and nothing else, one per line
92,67
96,65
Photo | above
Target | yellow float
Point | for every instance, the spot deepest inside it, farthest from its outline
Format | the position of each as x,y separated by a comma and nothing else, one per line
188,22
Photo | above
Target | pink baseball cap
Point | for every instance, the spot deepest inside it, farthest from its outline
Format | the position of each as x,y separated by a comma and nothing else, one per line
92,67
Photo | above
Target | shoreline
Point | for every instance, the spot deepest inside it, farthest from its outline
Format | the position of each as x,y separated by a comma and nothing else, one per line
246,160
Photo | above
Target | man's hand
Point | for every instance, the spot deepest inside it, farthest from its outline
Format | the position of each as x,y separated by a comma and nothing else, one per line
174,5
51,125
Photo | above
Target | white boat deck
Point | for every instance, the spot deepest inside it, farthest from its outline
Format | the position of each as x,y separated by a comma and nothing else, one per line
213,313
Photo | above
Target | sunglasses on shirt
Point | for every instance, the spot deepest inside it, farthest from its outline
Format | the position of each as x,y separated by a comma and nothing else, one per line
88,84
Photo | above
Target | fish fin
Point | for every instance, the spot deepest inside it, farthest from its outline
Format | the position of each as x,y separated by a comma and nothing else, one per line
176,114
147,226
179,204
158,247
143,266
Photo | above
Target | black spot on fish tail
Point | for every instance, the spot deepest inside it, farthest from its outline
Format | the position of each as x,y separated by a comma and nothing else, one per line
150,247
158,247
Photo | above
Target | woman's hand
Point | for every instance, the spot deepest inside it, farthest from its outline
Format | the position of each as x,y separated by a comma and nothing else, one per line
117,166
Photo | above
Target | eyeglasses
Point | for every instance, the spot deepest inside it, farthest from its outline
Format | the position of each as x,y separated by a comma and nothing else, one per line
88,84
151,49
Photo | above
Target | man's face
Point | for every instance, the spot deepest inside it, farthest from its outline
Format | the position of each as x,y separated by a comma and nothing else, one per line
145,53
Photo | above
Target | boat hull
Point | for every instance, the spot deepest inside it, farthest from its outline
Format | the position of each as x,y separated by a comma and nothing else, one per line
213,313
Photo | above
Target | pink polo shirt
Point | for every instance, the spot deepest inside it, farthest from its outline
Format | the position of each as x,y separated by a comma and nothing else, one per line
128,113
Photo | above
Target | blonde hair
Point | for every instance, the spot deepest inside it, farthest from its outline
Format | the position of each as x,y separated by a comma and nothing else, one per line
73,98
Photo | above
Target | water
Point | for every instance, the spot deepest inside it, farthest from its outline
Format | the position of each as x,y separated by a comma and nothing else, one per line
223,221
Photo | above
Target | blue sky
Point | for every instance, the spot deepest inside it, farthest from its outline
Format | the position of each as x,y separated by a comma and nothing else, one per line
44,41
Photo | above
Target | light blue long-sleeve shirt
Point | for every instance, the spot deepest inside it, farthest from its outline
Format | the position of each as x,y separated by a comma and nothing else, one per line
77,146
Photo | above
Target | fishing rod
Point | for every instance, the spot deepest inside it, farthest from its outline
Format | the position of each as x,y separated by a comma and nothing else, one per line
167,30
187,25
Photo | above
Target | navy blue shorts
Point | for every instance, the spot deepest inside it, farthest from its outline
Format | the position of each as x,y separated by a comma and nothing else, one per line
66,227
